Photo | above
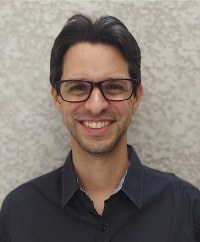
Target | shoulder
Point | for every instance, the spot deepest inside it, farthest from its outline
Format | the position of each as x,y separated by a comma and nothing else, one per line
167,178
171,183
45,185
181,196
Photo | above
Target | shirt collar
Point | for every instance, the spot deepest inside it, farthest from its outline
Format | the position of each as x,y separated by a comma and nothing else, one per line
69,181
133,183
132,186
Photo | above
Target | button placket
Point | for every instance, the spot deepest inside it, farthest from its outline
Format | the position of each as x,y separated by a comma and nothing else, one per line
103,228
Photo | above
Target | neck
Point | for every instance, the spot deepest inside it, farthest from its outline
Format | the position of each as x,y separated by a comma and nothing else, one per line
100,174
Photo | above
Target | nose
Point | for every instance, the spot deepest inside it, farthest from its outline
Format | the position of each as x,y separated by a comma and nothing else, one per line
96,102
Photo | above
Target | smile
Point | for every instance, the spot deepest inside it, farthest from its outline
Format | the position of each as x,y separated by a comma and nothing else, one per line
96,125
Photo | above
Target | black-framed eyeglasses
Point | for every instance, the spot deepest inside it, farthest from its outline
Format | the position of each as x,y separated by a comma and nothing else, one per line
115,89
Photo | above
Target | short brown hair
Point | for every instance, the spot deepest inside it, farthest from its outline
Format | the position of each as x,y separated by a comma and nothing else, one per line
105,30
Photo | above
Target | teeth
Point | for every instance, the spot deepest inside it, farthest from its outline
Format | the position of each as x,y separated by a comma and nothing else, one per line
94,125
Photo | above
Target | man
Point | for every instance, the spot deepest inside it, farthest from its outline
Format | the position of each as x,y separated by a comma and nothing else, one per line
103,192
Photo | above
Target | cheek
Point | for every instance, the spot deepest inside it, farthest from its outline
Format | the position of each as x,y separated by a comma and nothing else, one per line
124,109
69,110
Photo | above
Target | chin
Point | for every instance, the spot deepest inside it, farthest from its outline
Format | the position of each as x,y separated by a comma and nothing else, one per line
100,148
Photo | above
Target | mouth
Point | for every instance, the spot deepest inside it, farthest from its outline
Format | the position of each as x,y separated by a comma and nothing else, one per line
97,129
96,125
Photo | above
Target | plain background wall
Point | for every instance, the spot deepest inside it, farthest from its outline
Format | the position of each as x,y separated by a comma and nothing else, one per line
166,129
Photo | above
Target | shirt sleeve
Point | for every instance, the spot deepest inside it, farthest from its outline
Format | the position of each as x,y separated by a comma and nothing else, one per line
4,221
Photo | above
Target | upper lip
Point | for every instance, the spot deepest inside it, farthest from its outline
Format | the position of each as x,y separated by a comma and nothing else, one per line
96,120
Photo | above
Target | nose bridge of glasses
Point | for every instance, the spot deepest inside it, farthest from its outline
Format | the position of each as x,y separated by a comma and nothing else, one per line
98,86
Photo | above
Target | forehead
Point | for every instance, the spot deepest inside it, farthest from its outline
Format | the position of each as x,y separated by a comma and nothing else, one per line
96,61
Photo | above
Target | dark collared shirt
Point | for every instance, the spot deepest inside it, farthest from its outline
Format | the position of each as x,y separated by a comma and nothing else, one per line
151,206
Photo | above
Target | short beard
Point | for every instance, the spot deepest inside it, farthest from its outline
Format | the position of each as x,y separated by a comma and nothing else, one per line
100,150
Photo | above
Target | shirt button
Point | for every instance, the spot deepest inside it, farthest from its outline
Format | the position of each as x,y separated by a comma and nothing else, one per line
103,228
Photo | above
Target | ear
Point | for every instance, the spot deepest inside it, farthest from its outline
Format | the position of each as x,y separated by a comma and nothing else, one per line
137,98
56,98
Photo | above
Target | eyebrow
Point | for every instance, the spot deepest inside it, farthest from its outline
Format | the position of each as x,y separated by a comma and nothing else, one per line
87,79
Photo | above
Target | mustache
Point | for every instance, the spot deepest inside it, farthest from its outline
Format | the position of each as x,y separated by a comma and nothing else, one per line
88,115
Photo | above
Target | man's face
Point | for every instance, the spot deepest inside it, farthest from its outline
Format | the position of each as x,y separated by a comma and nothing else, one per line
96,62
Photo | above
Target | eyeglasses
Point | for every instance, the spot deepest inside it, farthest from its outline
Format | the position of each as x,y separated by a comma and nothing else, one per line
117,89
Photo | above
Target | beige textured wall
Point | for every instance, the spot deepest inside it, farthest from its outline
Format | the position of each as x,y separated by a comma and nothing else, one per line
166,129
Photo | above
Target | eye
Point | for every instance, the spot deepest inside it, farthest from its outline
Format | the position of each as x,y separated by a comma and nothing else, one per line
81,87
113,87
